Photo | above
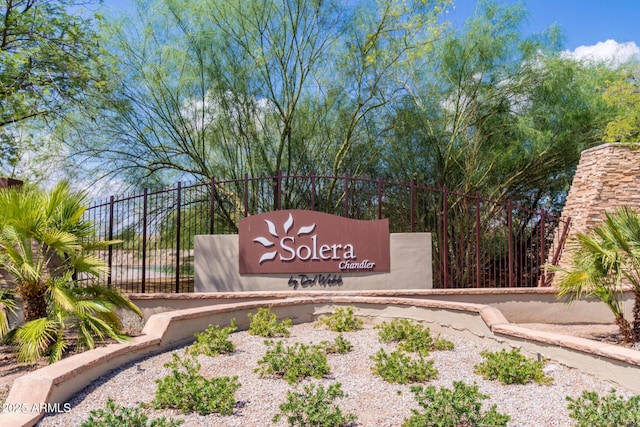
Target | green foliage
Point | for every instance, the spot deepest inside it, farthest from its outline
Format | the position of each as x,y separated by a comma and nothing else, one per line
592,410
45,241
188,391
511,368
121,416
197,68
315,407
293,363
622,94
339,345
50,59
8,307
343,319
460,406
264,323
214,341
397,330
604,256
412,337
398,367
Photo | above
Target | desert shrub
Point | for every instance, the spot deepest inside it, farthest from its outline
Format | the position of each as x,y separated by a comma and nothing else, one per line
398,367
411,336
341,320
315,407
188,391
264,323
511,368
395,331
116,415
592,410
214,341
293,363
339,345
460,406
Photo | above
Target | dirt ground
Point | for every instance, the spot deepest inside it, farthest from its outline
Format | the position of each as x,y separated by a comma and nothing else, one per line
10,369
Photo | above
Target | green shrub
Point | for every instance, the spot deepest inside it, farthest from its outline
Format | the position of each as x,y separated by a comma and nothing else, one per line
411,336
453,408
395,331
314,407
342,320
264,323
293,363
591,410
121,416
398,367
214,341
511,368
339,345
188,391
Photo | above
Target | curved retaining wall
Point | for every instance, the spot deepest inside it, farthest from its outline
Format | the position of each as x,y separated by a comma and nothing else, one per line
57,383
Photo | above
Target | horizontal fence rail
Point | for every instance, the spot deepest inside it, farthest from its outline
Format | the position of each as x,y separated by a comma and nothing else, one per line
476,242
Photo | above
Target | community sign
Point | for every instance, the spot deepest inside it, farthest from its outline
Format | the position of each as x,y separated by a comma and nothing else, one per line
300,242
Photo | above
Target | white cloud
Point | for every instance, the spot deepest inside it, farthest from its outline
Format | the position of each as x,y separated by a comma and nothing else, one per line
608,51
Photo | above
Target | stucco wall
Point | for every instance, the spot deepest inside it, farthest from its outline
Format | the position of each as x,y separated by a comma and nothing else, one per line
518,305
216,268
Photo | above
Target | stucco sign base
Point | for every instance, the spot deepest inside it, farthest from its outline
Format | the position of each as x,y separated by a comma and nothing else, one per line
217,270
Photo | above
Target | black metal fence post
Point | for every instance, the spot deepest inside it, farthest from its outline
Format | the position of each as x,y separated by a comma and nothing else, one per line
346,195
313,190
478,249
178,235
144,239
212,205
246,194
412,207
110,249
510,231
379,197
279,191
445,236
543,238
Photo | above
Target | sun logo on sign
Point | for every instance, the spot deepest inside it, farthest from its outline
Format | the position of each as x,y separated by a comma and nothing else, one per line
267,243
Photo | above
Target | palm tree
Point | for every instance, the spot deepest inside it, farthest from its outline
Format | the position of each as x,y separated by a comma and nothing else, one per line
605,260
43,246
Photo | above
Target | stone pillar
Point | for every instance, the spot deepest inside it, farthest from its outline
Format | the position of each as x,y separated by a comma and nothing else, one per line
608,176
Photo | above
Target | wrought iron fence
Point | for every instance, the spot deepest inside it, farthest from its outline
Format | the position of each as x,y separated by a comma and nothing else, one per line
476,242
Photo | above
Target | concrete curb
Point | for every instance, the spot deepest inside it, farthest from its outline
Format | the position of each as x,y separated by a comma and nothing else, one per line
47,389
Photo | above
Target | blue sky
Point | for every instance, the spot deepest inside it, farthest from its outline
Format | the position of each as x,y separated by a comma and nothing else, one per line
586,23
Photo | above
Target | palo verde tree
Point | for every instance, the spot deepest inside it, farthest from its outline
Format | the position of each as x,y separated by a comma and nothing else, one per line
624,95
50,59
43,247
498,114
213,88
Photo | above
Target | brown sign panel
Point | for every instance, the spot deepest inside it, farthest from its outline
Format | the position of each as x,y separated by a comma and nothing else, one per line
298,241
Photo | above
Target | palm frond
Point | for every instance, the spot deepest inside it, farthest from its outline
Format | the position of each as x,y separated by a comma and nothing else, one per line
8,306
34,339
83,262
113,296
61,295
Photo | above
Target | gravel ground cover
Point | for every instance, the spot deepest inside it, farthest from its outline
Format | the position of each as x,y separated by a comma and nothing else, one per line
376,402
